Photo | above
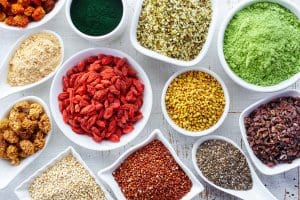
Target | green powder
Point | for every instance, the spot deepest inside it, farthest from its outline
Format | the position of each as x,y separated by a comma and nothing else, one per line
96,17
262,44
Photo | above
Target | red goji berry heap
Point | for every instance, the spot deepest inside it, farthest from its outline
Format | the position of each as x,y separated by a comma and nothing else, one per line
152,173
102,97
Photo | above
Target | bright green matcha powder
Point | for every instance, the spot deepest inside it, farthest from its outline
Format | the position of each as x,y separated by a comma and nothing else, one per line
262,44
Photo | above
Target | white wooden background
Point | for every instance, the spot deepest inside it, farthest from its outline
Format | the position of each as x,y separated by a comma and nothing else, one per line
283,186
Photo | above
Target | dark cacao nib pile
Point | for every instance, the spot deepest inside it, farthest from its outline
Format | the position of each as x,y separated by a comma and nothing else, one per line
273,131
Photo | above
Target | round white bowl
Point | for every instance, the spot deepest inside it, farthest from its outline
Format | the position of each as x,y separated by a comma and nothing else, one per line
7,89
102,38
195,133
9,172
84,140
58,6
263,168
280,86
173,61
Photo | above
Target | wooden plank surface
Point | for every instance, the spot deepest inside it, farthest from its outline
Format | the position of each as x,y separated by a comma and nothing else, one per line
284,186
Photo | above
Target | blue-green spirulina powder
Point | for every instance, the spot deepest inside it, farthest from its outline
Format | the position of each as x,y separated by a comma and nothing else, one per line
96,17
262,44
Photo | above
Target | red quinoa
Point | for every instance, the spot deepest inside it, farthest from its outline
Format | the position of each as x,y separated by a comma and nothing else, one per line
152,173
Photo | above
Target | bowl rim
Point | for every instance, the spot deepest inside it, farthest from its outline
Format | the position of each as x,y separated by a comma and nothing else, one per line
69,150
5,62
65,128
263,168
32,25
107,177
167,59
280,86
111,34
33,157
196,133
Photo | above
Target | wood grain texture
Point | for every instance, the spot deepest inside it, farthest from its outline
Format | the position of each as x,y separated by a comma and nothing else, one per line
284,186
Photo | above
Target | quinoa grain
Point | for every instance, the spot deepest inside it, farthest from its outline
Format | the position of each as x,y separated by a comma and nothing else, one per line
67,180
152,173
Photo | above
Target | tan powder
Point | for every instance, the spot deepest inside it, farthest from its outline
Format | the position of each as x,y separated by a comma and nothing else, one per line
36,57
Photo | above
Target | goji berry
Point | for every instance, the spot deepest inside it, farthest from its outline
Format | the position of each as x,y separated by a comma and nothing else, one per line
107,60
114,138
108,113
101,97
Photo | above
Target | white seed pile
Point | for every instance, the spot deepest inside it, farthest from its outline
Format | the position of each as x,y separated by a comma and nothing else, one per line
66,180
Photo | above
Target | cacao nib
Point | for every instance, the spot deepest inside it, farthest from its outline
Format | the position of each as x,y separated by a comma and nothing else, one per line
273,131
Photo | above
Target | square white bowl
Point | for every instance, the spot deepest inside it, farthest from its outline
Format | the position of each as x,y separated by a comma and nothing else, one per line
263,168
106,174
8,172
158,56
22,190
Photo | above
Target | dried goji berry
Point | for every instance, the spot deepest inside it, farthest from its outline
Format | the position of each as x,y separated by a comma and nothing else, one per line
106,60
100,123
91,121
107,74
114,138
87,109
128,129
108,113
92,59
121,62
101,97
65,116
63,96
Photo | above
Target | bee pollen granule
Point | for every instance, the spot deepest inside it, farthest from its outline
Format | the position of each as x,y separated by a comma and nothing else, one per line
195,101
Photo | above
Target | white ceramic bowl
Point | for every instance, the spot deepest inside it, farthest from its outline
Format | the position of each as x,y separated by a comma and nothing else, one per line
102,38
196,133
58,6
107,177
263,168
164,58
83,140
7,89
285,3
9,172
22,190
258,190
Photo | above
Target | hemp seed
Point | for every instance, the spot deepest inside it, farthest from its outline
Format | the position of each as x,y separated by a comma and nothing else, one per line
174,28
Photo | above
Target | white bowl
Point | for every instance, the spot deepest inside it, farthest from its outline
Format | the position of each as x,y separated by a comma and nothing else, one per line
167,59
263,168
83,140
58,6
22,190
7,89
106,174
258,190
280,86
102,38
195,133
9,172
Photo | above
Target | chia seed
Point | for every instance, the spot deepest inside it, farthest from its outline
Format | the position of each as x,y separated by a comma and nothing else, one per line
224,165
